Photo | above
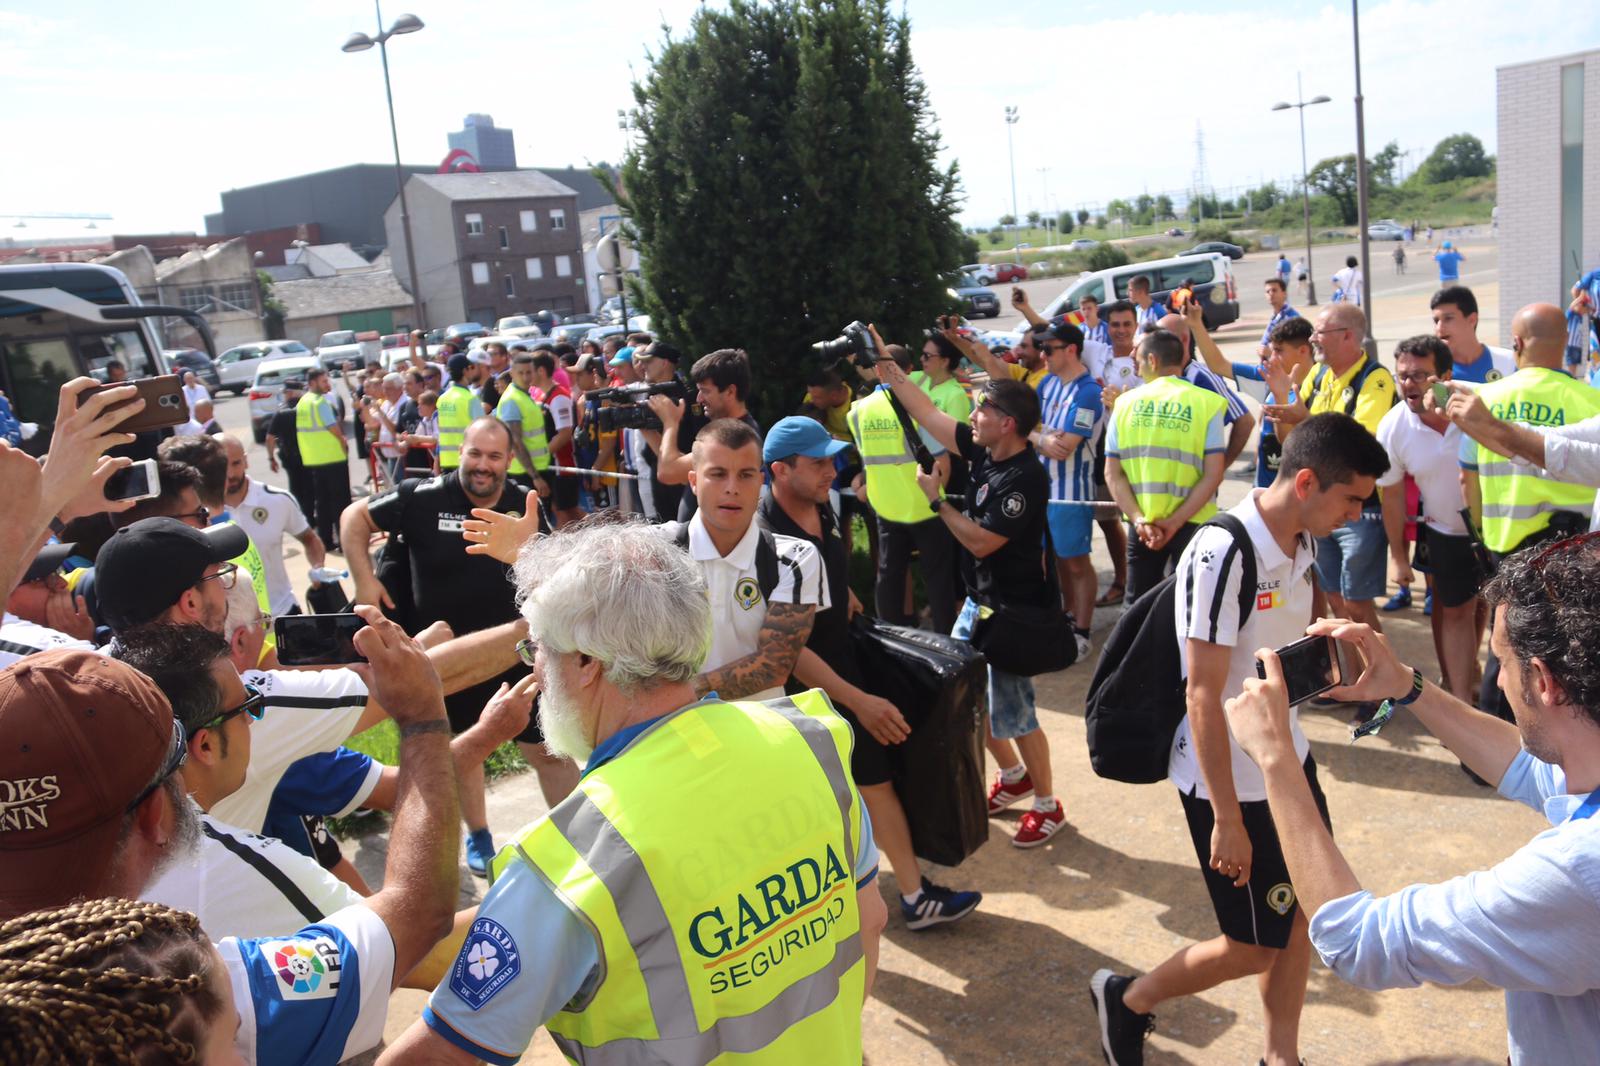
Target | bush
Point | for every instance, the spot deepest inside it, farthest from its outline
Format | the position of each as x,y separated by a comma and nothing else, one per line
1105,256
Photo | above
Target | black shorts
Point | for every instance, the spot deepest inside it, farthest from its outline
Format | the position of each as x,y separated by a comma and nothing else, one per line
1100,463
1456,574
465,707
1262,912
566,490
869,759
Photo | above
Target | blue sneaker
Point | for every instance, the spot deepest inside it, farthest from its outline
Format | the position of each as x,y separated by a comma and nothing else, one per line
1427,603
480,852
936,905
1399,601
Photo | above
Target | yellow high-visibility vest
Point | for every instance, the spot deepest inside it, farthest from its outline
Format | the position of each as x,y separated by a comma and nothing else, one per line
887,464
1517,502
1161,443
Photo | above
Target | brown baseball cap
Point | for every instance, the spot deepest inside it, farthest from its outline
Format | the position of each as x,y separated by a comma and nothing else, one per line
81,736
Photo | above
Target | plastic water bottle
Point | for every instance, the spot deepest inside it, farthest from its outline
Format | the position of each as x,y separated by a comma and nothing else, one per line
323,575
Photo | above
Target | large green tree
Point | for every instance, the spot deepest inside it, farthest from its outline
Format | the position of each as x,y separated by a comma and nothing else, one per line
785,181
1335,178
1460,155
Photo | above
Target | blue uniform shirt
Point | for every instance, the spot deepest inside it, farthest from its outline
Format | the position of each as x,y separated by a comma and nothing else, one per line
1449,265
1279,317
1071,407
329,784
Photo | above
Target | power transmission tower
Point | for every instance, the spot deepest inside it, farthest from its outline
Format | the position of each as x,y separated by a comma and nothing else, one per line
1200,169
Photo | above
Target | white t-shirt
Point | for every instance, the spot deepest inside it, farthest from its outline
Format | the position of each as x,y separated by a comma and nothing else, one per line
1348,281
193,394
1208,609
1110,369
1431,458
267,513
20,638
737,609
306,711
241,884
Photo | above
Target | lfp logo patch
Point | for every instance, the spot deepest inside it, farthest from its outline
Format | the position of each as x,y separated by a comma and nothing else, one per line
488,961
306,969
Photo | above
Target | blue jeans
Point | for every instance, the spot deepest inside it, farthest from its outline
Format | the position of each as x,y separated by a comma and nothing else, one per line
1353,561
1011,709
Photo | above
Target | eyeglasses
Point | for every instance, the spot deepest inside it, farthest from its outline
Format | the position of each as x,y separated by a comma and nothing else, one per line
1055,347
201,515
227,576
254,705
1327,332
1560,547
175,759
1418,375
526,650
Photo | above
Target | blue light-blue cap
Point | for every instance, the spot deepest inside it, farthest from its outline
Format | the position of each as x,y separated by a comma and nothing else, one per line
799,435
624,355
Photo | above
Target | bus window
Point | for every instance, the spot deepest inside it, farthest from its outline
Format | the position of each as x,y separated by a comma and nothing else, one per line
35,370
1197,271
125,347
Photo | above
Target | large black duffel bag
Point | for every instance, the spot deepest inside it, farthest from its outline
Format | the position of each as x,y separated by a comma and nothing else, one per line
940,685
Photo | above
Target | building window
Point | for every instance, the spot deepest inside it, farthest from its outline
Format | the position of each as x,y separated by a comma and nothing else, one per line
1571,250
535,267
558,219
474,225
237,296
480,273
195,297
505,237
563,266
511,286
530,221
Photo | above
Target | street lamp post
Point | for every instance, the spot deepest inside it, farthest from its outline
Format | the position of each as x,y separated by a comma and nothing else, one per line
1305,185
1011,120
360,42
1361,185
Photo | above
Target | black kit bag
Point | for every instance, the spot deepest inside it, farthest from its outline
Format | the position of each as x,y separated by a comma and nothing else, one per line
1137,696
327,598
1027,639
940,685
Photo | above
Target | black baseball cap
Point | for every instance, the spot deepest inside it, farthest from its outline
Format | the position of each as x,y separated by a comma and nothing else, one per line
49,560
458,364
145,567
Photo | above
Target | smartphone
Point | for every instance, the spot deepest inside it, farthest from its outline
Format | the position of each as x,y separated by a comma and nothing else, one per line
1311,666
140,481
164,405
317,639
1441,394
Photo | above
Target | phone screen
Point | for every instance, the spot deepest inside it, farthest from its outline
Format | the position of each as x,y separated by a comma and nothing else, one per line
1310,668
132,483
317,639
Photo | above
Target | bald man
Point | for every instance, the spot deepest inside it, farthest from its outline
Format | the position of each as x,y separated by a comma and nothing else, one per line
1236,417
267,513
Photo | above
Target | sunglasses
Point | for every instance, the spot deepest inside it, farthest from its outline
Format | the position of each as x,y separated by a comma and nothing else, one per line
201,515
175,759
254,705
989,402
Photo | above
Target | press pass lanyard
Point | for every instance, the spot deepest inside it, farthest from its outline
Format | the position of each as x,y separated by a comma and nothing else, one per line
1587,808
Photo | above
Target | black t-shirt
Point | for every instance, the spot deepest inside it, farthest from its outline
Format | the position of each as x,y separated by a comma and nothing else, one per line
283,427
1009,498
830,633
470,592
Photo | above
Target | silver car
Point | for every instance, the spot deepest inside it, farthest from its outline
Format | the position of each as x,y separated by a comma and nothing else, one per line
268,386
237,366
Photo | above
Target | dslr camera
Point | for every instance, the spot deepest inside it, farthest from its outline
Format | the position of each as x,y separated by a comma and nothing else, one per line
854,342
628,409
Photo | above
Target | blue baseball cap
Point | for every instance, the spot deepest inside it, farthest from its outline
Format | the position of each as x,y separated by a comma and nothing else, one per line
623,357
799,435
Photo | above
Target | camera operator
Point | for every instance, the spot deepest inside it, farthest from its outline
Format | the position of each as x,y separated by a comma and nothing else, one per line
656,363
722,385
1003,530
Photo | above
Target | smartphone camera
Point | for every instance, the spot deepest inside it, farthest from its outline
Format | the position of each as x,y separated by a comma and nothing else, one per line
1311,666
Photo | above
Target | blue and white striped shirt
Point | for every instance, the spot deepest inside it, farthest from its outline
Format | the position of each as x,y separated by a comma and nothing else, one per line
1097,332
1071,407
1197,373
1279,317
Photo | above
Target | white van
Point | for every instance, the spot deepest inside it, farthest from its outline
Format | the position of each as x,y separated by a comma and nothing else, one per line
1210,275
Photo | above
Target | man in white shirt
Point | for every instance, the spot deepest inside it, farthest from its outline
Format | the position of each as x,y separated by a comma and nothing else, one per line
1330,465
194,392
1347,282
1423,444
765,589
267,513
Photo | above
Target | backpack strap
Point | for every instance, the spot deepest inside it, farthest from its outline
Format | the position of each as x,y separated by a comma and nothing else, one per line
1246,553
767,565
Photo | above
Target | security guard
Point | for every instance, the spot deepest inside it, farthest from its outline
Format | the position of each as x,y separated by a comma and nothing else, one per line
1164,459
1513,506
526,417
458,407
324,453
705,895
889,473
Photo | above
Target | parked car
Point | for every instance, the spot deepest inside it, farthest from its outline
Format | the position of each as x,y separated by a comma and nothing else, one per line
1210,275
975,299
1232,251
1386,229
1005,273
339,346
983,272
518,326
267,385
181,359
1174,232
579,319
636,324
464,332
571,332
237,366
394,340
1083,243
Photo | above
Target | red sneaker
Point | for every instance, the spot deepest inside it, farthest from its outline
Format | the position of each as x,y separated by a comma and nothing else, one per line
1038,826
1002,795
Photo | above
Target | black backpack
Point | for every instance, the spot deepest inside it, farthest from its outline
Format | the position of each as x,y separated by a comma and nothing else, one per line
1137,696
766,555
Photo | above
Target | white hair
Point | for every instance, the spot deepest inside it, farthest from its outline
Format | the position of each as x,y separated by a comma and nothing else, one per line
243,607
621,592
394,379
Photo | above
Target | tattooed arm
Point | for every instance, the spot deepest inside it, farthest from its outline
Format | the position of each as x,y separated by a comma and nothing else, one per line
782,636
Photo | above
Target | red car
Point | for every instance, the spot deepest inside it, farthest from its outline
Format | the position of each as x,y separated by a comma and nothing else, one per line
1004,272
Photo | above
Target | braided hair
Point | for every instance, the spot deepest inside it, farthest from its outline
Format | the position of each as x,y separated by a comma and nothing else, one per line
105,981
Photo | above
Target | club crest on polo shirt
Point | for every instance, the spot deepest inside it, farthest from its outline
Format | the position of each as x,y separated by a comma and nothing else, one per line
258,515
306,968
747,593
488,961
983,494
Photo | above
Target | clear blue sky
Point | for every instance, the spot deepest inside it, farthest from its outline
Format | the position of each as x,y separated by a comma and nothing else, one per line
114,108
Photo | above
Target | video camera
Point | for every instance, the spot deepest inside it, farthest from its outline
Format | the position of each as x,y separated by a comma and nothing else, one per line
855,341
628,409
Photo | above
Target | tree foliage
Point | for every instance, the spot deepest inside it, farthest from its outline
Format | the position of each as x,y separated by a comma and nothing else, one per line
1335,178
785,181
1083,217
1384,167
1460,155
1064,222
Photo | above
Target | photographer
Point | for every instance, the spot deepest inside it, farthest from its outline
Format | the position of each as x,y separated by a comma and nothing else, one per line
722,385
656,363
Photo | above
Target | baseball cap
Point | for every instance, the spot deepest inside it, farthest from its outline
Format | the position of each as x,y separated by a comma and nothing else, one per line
85,735
799,435
623,357
590,362
145,567
49,559
1447,244
479,356
660,350
458,364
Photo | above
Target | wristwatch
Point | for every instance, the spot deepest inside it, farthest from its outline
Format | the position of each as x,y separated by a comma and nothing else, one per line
1416,690
934,505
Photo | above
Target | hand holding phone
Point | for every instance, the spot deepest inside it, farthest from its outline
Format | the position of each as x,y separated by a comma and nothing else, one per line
141,481
1018,297
164,405
1311,666
318,639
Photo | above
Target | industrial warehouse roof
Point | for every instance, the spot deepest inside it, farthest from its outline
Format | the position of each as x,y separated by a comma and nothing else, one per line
342,293
495,185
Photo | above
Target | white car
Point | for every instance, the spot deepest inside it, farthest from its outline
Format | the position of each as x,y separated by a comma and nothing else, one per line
341,346
981,272
1385,229
518,326
1083,243
236,367
267,385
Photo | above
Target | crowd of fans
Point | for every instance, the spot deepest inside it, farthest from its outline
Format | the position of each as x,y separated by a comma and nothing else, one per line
599,554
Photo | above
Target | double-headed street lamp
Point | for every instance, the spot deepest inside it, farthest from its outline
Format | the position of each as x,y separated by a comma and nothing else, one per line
360,42
1305,188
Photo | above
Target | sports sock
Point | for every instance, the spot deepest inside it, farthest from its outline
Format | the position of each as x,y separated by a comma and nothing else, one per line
1010,775
1044,804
